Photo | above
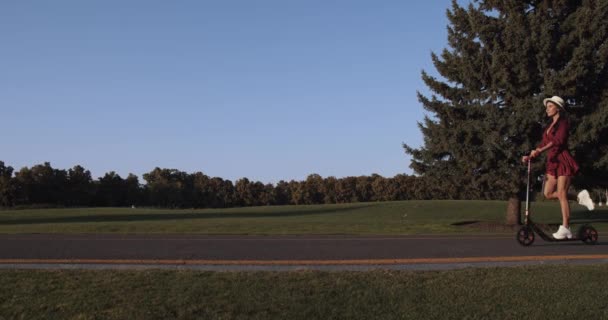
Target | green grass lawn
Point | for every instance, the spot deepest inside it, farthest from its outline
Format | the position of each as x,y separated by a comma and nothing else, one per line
382,218
539,292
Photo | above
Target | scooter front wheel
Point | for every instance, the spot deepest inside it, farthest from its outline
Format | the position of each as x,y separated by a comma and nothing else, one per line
525,236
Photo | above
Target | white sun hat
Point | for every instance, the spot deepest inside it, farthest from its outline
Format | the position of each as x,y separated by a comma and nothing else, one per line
555,99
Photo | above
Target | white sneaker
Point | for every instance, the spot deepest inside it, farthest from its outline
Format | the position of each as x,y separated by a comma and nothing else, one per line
584,199
562,233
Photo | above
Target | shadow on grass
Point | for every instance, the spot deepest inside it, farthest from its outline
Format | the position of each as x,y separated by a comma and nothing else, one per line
176,216
465,223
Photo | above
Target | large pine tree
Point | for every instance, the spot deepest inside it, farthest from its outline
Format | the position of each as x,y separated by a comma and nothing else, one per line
485,112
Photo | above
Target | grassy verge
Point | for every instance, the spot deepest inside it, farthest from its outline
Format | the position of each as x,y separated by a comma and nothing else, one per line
549,292
403,217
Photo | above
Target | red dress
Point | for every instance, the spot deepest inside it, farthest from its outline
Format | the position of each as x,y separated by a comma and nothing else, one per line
559,160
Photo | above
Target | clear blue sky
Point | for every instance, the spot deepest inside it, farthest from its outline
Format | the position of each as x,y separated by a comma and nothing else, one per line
269,90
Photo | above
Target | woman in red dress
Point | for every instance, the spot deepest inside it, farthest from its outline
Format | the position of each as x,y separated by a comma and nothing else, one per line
560,166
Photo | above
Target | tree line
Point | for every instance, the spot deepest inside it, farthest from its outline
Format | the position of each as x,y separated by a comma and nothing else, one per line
44,186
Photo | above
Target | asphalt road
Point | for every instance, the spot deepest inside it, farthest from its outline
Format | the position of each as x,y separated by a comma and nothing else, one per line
272,252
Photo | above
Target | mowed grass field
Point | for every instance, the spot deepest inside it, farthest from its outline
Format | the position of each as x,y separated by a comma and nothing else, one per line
532,292
540,292
378,218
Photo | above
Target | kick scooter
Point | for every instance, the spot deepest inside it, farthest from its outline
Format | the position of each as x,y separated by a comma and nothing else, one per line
525,235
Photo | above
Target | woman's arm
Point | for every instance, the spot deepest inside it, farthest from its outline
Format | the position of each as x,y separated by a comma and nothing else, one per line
536,152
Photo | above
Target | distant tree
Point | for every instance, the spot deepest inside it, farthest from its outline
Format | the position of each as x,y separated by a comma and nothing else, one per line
248,193
504,57
391,190
203,193
243,194
41,185
167,187
363,189
282,193
133,190
411,188
385,189
79,188
110,191
297,192
226,192
401,183
257,193
346,190
185,187
24,185
379,187
267,198
313,189
330,185
7,190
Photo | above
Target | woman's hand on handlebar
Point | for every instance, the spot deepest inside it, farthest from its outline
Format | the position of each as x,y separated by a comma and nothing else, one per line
533,154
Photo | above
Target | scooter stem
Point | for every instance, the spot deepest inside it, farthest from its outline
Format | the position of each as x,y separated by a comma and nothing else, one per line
528,191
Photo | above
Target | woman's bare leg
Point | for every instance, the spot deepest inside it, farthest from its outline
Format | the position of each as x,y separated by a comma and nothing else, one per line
550,187
563,183
557,188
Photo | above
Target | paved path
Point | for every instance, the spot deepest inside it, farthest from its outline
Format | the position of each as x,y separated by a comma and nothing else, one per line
286,252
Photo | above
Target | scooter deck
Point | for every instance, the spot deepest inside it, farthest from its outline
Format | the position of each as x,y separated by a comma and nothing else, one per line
538,229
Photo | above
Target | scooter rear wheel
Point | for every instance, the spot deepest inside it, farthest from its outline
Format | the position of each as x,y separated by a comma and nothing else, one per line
525,236
588,234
